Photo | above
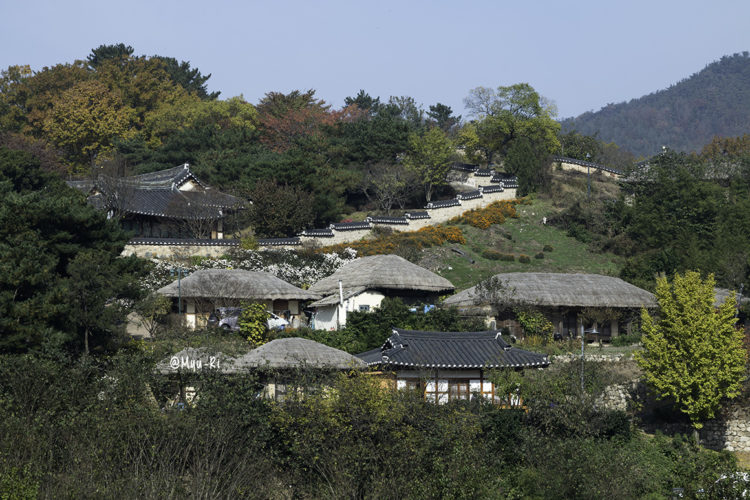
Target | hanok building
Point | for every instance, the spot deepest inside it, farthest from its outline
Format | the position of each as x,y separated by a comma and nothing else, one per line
171,203
203,291
448,366
283,367
572,302
363,284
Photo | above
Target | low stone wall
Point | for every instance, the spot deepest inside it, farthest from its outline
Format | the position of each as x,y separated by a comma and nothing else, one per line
176,251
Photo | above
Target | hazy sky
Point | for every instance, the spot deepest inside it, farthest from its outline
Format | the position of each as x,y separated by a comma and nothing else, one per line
580,54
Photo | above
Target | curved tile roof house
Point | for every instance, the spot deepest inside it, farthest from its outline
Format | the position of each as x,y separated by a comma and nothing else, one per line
365,282
447,366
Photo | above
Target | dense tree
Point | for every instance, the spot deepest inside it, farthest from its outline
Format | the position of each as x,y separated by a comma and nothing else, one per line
118,53
389,185
86,119
188,78
288,118
430,155
44,227
364,101
443,117
692,350
279,210
510,113
530,165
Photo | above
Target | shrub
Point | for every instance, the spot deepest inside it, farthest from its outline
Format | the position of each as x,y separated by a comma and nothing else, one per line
524,259
494,213
623,340
547,248
492,254
508,257
539,255
253,322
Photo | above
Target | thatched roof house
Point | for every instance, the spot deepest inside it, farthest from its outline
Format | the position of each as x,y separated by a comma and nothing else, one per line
278,365
207,289
563,297
297,353
362,284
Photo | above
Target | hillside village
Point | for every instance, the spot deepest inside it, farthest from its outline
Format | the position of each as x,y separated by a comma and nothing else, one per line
282,300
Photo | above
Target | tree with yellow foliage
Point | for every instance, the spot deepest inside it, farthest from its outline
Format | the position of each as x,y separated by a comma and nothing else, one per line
693,351
85,120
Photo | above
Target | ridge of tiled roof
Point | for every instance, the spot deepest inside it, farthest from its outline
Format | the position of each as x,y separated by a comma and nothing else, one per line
450,350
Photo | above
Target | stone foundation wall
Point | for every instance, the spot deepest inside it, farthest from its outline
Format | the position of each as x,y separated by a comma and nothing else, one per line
178,251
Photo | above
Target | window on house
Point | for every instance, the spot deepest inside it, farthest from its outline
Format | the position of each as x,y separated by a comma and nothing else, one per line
364,308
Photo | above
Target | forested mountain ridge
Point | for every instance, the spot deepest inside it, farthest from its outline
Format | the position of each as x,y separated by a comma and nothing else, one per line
683,117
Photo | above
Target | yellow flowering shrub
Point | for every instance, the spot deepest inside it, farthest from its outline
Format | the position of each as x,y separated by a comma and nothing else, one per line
494,213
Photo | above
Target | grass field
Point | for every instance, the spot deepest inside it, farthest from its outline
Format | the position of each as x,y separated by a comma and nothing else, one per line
525,235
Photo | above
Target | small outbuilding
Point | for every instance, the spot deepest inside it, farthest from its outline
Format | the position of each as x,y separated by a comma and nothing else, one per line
449,366
572,302
203,291
363,284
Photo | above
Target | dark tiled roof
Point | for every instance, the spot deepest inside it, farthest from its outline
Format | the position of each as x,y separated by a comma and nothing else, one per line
274,242
498,188
167,178
465,167
443,204
377,219
350,226
173,203
510,183
183,242
484,172
418,349
318,233
417,215
470,195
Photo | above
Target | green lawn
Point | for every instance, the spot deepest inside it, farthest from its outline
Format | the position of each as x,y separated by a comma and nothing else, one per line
524,235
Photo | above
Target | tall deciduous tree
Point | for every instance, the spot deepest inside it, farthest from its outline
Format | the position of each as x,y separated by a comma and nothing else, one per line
510,113
692,350
86,119
430,156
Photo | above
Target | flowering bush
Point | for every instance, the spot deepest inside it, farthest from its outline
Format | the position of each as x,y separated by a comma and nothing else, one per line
494,213
299,269
389,243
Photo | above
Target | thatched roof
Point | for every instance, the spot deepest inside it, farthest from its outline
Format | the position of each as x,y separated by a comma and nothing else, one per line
556,289
334,298
389,272
236,284
293,353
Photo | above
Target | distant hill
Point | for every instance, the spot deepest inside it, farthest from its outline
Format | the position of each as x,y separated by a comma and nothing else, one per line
684,117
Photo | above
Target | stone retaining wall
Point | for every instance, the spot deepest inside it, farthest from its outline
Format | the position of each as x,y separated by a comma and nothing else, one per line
729,431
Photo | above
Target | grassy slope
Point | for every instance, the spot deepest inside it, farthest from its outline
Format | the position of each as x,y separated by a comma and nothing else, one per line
527,236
